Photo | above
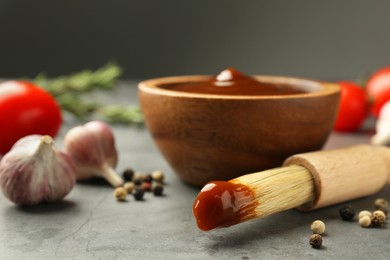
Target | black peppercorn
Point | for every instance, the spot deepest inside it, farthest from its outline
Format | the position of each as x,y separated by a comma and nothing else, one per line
138,193
138,182
347,213
316,241
148,178
158,189
128,174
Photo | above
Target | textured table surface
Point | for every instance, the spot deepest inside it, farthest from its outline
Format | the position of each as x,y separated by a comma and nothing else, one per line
90,224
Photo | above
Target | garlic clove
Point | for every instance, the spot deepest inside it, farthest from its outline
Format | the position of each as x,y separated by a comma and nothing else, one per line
382,136
34,171
92,147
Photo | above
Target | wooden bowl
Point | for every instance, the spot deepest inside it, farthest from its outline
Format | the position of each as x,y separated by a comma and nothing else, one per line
217,137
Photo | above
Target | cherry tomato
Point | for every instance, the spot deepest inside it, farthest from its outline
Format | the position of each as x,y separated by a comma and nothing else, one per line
378,89
26,109
378,103
378,83
353,107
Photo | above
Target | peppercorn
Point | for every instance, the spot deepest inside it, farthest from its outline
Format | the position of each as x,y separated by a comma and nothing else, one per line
138,178
378,218
120,194
158,176
316,241
138,193
381,203
365,221
364,213
128,175
158,189
147,186
385,211
138,182
148,178
129,186
347,213
318,227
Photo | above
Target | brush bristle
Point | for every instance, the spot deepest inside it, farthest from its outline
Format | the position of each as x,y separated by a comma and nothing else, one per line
279,189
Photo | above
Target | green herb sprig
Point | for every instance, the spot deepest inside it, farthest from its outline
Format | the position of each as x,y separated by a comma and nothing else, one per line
70,90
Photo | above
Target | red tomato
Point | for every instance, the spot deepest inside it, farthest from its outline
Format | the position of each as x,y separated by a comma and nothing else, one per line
378,89
26,109
378,83
353,107
378,103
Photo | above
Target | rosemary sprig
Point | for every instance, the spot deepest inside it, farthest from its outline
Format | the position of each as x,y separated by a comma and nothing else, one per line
69,92
76,106
121,114
81,82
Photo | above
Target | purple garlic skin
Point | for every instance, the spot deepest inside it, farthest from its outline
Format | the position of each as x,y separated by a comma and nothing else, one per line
34,171
92,148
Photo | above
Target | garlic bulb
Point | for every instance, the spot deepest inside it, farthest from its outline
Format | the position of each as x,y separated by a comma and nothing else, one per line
34,171
382,136
92,147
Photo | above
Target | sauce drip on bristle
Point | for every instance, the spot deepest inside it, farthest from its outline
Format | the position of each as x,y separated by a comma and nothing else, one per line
256,195
222,204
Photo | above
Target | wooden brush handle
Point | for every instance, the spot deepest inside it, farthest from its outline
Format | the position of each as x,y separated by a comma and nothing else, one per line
345,174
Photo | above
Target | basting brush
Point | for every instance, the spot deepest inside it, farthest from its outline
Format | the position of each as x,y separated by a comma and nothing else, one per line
306,181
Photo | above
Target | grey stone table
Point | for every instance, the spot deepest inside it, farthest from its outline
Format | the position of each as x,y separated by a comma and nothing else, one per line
90,224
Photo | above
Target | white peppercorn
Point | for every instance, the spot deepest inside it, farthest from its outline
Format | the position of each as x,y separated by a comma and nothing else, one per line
120,194
129,187
318,227
385,211
364,213
365,221
381,203
158,176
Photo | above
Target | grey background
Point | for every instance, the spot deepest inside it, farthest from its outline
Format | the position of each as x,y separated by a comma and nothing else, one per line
317,39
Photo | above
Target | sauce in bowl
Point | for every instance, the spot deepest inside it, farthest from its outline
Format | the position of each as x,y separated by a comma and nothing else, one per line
232,82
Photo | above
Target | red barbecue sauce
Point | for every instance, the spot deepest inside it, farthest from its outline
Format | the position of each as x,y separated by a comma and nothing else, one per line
232,82
222,204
